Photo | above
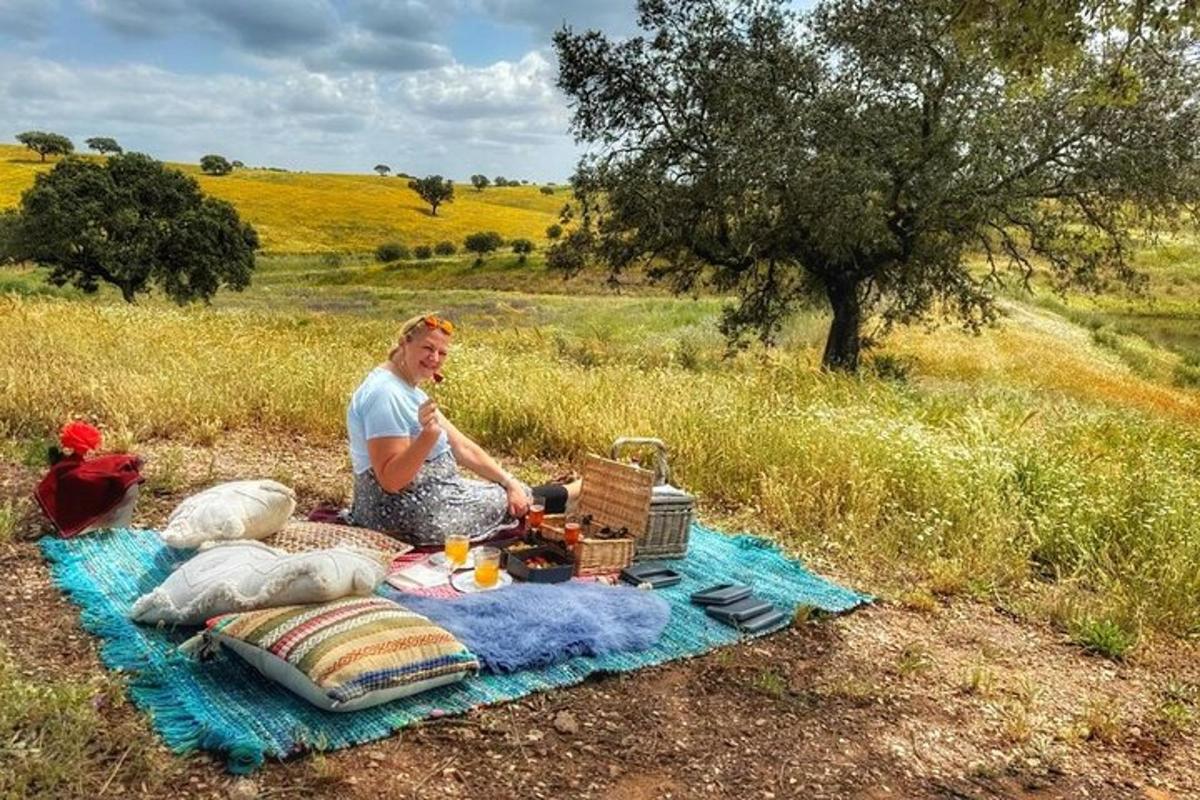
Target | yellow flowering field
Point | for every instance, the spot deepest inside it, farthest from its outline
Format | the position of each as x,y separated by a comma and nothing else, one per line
313,212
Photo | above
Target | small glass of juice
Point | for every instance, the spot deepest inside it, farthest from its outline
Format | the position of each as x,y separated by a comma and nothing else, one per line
571,534
458,545
487,567
537,515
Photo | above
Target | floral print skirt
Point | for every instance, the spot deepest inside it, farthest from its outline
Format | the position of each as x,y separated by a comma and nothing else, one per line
437,502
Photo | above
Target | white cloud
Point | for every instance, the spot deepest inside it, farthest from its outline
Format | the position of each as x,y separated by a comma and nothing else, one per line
505,89
505,118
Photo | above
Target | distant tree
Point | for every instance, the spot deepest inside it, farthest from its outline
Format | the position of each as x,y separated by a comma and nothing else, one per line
480,182
391,251
547,190
522,247
554,231
215,165
423,252
237,164
104,145
445,248
524,182
433,189
860,155
46,144
382,169
482,243
132,222
500,180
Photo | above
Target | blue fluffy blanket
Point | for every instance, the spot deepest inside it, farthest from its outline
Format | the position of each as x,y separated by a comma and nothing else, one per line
529,625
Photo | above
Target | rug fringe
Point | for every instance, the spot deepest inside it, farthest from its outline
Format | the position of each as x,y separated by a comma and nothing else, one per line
147,682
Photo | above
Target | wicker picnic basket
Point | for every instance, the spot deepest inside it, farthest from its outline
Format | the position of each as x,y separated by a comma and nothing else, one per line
619,495
613,496
669,517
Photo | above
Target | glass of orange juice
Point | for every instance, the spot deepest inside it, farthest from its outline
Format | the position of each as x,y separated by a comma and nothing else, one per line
458,545
571,534
537,515
487,567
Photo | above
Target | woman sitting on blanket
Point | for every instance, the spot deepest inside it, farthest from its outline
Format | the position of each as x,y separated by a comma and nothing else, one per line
405,453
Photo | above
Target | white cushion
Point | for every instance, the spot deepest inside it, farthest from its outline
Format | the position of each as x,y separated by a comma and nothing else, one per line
242,576
235,510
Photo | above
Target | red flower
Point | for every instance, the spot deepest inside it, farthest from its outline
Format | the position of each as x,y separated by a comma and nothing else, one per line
79,437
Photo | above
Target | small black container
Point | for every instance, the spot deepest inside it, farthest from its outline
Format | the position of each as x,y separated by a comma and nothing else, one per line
516,566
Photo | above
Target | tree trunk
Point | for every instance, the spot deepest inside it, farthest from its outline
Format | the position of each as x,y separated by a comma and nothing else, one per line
842,346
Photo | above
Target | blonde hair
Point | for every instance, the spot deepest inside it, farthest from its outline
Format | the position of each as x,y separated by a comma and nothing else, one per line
407,328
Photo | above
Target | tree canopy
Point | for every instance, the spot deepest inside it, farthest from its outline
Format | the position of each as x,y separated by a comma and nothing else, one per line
480,182
46,144
103,145
382,169
134,223
482,243
215,165
433,189
859,155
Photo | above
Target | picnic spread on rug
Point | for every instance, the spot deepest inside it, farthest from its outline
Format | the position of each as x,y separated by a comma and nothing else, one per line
255,635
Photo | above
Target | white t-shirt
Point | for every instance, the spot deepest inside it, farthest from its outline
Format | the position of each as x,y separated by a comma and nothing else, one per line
384,405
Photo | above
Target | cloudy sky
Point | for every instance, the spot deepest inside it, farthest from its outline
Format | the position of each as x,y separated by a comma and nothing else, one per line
447,86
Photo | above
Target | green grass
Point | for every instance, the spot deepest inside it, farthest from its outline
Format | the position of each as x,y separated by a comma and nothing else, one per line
1104,637
54,743
11,513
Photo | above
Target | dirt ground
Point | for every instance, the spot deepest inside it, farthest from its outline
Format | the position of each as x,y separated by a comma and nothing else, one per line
957,701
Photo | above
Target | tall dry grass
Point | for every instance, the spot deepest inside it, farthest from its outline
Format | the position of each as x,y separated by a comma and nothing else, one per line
989,481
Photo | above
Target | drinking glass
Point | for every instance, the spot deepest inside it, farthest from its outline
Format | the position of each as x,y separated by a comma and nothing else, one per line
458,545
487,567
537,515
571,534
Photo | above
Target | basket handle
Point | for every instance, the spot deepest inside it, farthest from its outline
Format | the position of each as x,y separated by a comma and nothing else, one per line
662,472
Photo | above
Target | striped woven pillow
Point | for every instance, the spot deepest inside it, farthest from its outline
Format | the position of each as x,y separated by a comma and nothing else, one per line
348,654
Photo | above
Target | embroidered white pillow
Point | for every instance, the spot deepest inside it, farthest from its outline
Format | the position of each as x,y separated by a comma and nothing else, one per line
243,576
234,510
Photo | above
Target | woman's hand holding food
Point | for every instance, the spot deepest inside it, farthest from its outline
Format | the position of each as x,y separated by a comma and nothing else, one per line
518,502
427,415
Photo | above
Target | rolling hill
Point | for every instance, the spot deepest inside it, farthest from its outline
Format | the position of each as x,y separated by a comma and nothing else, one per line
302,212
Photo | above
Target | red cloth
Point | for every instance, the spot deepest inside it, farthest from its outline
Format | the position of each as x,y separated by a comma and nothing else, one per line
76,493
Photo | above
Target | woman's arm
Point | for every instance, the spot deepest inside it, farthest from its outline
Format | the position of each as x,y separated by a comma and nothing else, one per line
476,459
396,459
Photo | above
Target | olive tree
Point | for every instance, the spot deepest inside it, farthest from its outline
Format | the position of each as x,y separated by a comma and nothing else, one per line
860,155
104,145
213,164
134,223
433,189
46,144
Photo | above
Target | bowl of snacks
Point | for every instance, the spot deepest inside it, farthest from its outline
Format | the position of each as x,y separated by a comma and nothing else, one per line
540,564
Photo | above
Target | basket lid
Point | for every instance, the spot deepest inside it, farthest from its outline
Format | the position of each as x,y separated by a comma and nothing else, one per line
616,495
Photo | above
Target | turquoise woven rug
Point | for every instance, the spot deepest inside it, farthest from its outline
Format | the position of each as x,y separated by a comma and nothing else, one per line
225,706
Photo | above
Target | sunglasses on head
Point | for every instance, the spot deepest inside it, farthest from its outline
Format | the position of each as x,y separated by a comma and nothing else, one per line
435,323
